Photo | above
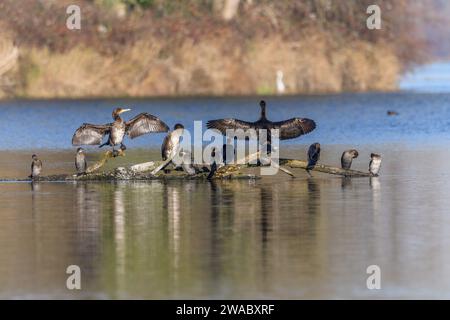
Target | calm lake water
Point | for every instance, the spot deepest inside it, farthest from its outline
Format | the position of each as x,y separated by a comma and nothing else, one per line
275,237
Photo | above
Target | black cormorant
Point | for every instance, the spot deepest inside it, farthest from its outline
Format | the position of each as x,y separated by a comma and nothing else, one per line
92,134
347,158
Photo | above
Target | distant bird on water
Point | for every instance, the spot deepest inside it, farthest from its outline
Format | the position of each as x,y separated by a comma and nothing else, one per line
92,134
288,129
313,155
80,161
36,167
392,113
375,164
347,158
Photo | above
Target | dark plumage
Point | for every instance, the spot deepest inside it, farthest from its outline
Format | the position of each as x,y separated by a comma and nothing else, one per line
347,158
228,153
289,129
213,165
36,167
375,164
392,113
313,155
92,134
80,161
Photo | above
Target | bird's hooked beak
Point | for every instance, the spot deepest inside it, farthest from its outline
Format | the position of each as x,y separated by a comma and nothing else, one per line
124,110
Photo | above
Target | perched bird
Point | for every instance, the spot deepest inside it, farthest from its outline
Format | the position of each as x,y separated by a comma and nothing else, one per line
80,161
375,164
347,158
36,167
171,141
288,129
92,134
228,153
213,165
313,155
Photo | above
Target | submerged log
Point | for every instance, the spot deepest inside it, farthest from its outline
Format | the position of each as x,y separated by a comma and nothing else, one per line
293,163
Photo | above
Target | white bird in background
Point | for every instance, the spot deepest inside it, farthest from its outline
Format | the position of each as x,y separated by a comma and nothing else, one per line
281,87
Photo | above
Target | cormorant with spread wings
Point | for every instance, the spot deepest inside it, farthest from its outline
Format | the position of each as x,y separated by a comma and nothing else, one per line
288,129
92,134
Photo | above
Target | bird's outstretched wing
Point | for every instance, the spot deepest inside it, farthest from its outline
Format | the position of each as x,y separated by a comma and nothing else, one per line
224,124
145,123
294,127
90,134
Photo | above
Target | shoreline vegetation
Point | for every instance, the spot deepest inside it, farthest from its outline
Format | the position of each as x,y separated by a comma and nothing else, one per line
146,48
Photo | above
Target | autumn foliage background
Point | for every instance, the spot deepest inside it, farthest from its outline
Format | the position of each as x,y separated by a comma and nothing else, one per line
210,47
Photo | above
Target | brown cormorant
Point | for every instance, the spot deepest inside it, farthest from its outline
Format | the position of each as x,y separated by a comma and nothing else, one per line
375,164
92,134
36,167
80,161
313,155
347,158
288,129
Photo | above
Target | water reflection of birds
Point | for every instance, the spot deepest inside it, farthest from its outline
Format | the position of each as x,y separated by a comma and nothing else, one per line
92,134
375,185
346,182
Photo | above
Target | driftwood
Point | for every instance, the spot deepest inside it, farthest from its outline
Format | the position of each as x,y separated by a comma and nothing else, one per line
148,170
108,155
293,163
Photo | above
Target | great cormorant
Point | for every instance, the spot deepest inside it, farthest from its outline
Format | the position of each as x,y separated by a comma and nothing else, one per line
288,129
313,155
171,141
375,164
92,134
80,161
347,158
